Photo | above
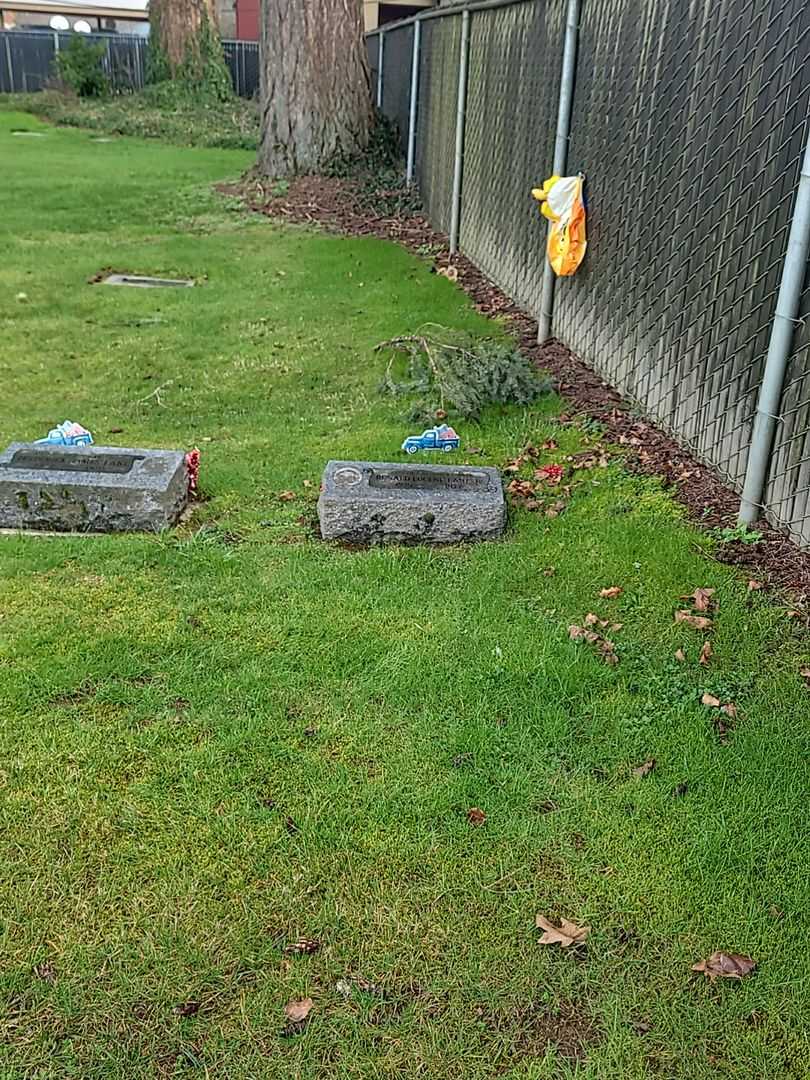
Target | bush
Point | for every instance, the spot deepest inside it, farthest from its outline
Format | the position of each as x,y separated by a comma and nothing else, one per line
80,66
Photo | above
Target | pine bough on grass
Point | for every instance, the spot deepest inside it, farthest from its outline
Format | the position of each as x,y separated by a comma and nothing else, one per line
453,371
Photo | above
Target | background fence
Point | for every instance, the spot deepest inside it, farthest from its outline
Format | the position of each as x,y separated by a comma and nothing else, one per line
689,121
27,60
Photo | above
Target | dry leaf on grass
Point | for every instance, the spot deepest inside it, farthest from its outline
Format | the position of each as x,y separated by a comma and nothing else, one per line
476,816
591,619
706,653
567,933
680,655
297,1011
605,648
701,599
805,674
645,769
711,700
286,496
303,947
520,489
697,622
611,593
725,966
754,585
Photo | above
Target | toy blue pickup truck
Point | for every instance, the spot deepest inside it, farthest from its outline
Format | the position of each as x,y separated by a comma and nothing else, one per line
436,438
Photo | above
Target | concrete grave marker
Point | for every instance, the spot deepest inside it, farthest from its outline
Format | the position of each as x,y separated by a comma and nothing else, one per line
141,281
375,502
91,488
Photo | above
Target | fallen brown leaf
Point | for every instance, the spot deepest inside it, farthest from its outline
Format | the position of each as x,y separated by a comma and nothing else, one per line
805,674
701,599
520,489
555,510
567,933
730,709
591,619
612,592
303,947
286,496
754,585
725,966
680,655
476,816
711,700
706,653
297,1011
698,622
575,632
645,769
549,444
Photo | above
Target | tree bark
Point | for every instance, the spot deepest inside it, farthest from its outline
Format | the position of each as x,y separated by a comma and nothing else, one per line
177,26
315,96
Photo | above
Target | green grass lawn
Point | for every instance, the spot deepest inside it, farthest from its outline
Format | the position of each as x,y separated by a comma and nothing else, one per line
216,742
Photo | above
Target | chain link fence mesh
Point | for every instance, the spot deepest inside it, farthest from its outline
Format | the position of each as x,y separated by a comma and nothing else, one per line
513,83
690,126
689,121
437,98
397,56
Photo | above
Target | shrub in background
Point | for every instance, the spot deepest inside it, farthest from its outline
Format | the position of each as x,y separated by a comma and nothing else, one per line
80,66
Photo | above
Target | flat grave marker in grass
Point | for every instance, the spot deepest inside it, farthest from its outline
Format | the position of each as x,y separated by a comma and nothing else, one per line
91,488
143,281
375,502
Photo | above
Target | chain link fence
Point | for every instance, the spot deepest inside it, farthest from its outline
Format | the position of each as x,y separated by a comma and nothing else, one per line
27,61
689,121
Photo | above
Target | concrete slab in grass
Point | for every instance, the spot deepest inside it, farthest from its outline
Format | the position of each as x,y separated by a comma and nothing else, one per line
378,502
91,488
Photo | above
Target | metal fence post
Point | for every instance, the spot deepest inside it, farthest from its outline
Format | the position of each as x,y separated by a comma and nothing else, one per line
380,61
569,66
461,116
794,270
417,28
10,68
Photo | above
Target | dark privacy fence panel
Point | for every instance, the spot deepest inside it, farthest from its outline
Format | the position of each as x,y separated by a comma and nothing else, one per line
27,61
689,121
514,79
436,115
396,90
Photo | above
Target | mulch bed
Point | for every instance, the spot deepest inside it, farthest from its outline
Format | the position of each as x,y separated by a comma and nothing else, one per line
339,205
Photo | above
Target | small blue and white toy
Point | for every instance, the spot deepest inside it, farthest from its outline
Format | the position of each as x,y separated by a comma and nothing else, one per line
436,438
68,434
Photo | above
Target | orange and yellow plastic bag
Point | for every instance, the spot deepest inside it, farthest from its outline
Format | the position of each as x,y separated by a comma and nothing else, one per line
562,202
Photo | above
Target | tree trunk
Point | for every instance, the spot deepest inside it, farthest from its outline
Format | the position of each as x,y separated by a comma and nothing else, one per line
316,101
177,27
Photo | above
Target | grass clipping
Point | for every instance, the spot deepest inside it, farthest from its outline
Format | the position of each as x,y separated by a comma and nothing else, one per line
450,371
